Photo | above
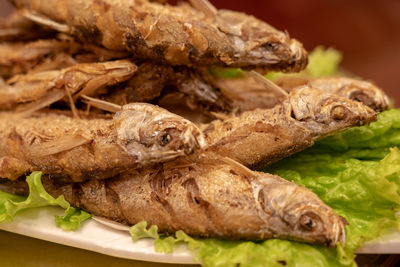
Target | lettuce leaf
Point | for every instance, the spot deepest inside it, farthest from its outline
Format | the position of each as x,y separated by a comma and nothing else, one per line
139,231
384,133
10,204
360,181
321,62
226,72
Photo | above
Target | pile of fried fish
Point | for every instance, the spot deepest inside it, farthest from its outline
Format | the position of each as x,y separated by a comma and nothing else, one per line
117,103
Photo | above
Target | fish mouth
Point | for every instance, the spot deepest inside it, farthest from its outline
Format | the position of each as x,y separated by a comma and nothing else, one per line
375,100
299,58
193,138
285,58
339,232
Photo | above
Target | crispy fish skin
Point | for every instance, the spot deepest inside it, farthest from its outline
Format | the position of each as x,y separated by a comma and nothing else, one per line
152,81
146,84
74,149
78,79
263,136
354,89
177,35
206,196
200,93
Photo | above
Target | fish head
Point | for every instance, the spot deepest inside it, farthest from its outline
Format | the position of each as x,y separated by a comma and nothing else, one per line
155,134
357,90
260,45
325,113
295,212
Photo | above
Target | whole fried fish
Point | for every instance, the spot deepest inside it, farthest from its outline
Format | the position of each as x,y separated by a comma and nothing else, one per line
355,89
263,136
43,88
73,149
177,35
206,196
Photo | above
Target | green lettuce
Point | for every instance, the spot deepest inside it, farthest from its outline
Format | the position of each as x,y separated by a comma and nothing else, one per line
360,181
226,72
10,204
139,231
384,133
321,62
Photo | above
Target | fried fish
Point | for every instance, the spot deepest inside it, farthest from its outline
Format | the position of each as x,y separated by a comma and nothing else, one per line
177,35
206,196
72,149
263,136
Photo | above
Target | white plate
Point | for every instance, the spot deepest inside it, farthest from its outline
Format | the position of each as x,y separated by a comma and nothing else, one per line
39,223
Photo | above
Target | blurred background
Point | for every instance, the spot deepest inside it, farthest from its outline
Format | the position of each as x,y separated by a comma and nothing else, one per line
367,32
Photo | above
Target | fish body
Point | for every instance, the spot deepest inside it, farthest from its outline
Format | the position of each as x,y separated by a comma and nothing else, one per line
263,136
207,196
72,149
177,35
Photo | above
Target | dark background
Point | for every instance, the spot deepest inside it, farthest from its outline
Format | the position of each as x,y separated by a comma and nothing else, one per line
366,31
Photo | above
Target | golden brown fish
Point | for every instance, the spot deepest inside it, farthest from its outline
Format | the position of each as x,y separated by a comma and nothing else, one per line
206,196
74,149
262,136
177,35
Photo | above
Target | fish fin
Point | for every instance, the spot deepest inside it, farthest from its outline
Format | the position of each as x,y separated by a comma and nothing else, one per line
101,104
239,167
45,21
220,116
67,142
25,110
72,103
204,6
267,83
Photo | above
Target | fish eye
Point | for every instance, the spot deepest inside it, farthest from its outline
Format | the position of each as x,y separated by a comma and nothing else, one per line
272,46
339,113
308,222
165,139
